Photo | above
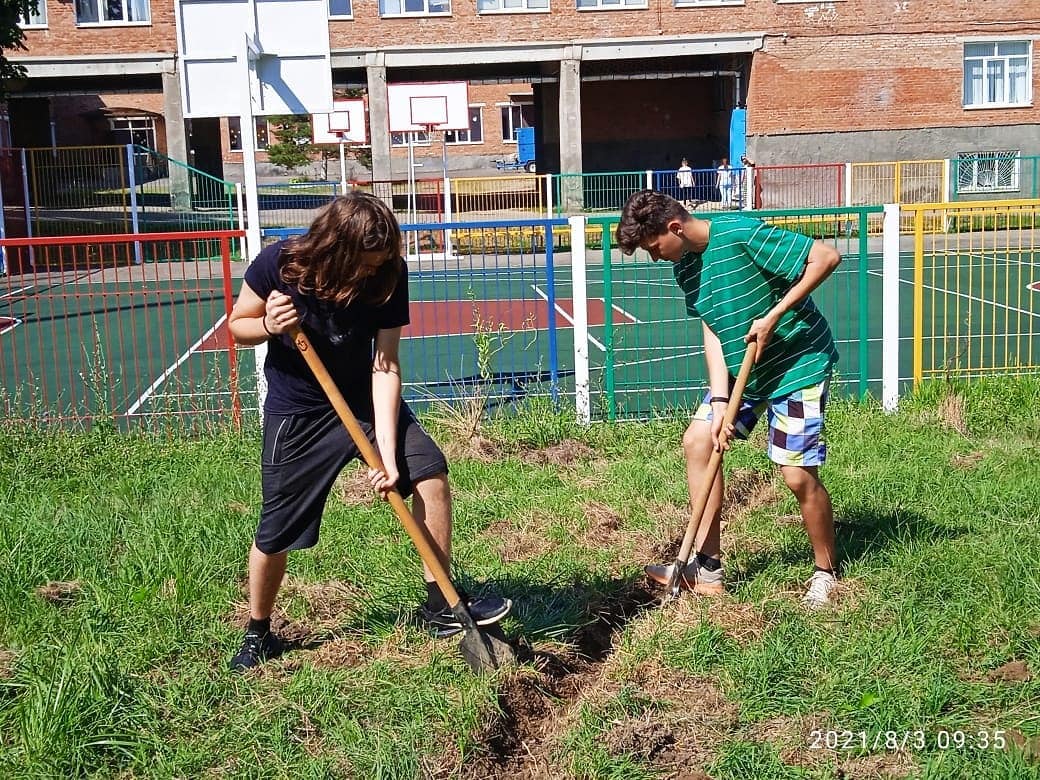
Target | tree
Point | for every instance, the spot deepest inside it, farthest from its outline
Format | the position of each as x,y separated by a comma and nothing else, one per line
12,37
294,147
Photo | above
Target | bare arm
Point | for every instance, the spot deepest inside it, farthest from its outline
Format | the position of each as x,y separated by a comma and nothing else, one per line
821,262
254,320
386,403
718,382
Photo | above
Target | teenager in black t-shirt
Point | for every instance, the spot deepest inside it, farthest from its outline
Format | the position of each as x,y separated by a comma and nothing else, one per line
345,284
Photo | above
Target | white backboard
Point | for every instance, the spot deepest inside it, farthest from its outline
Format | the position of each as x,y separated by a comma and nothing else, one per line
436,106
292,62
349,114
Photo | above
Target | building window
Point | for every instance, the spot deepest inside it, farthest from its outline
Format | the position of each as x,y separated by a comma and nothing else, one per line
987,171
512,5
414,7
515,116
604,5
112,11
37,18
474,135
701,3
996,74
420,138
235,133
340,8
139,130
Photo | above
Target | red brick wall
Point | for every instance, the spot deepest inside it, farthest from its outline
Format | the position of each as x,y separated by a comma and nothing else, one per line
63,37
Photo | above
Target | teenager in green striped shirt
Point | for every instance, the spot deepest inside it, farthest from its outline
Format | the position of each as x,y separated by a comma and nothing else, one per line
749,281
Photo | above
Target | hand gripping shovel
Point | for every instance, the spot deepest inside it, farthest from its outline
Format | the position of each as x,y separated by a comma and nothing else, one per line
711,471
482,649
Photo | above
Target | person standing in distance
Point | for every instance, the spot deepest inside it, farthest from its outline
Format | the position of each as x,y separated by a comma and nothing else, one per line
345,284
749,282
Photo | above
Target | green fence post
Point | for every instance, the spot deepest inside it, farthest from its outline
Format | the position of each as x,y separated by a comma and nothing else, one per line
608,326
864,320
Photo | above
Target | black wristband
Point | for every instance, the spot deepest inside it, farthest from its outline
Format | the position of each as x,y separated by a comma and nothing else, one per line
719,399
263,320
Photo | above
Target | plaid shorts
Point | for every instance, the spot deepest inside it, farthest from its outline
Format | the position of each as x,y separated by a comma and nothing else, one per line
796,433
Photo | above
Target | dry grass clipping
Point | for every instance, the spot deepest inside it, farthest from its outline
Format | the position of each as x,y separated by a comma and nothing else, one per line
59,593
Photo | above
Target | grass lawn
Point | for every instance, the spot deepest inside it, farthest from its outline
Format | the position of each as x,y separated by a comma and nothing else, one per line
122,598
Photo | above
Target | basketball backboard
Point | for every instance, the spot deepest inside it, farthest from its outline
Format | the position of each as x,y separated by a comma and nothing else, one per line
288,40
433,106
346,124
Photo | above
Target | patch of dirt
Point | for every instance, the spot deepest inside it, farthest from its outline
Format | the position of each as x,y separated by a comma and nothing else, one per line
792,736
325,606
239,508
643,739
520,542
878,766
747,490
564,453
1028,746
348,652
58,593
740,621
967,461
353,488
1012,671
7,659
952,414
604,524
475,447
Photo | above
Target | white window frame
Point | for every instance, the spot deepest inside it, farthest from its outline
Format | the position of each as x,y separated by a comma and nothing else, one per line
972,159
258,123
513,128
422,138
26,23
139,122
522,7
425,12
475,109
348,15
99,6
708,3
1027,99
612,5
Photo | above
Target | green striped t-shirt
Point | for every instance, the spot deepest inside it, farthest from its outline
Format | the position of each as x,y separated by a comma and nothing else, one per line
747,267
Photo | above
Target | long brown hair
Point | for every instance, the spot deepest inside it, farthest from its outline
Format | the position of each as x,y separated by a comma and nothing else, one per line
326,260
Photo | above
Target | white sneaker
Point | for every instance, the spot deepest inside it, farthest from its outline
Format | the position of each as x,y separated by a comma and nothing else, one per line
821,584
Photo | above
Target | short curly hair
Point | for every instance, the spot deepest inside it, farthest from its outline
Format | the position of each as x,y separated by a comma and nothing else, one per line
646,215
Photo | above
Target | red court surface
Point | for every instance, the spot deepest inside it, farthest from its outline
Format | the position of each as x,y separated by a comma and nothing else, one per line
451,318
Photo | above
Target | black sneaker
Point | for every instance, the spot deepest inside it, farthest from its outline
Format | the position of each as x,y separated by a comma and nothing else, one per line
485,611
255,650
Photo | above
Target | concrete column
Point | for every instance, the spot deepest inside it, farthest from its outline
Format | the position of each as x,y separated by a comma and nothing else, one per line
176,140
378,117
571,195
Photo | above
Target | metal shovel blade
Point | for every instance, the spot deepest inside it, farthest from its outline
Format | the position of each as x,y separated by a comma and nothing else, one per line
483,649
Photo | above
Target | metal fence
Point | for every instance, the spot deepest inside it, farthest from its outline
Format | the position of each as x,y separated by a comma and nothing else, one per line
131,328
976,289
88,334
93,190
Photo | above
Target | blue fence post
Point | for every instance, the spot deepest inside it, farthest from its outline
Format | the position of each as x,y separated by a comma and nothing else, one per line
554,362
132,186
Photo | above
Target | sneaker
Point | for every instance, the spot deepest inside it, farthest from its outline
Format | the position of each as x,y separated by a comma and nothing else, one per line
694,577
821,584
485,611
255,650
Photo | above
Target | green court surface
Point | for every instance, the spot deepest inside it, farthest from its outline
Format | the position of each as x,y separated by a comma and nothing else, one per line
77,345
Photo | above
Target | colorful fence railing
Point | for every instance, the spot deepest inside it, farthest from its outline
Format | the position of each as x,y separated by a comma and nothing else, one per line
89,335
504,310
976,289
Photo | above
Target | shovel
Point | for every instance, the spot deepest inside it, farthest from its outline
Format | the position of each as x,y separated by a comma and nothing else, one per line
710,472
482,649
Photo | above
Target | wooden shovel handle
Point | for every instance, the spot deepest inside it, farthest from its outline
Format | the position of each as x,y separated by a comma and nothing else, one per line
700,500
371,456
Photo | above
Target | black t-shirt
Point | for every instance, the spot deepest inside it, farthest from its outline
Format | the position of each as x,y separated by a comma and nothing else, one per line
343,336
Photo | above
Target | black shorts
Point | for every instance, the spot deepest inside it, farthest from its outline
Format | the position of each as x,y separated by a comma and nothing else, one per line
302,456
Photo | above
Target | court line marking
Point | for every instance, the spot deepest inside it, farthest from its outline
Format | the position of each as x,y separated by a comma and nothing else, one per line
132,409
13,322
975,298
12,293
545,297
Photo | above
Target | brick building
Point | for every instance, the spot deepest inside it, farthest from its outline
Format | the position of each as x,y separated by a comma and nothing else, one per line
609,84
